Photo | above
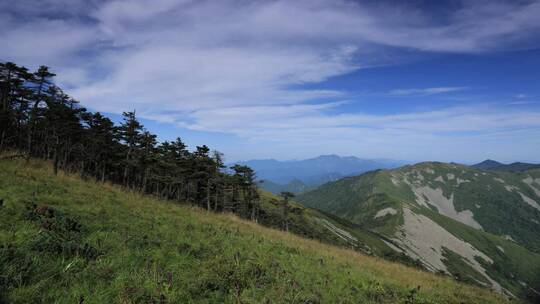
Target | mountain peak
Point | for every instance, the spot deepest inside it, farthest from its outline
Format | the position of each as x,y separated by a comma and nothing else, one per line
315,171
328,156
488,164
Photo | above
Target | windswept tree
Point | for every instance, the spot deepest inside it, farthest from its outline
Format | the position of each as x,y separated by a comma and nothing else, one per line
14,97
130,133
42,79
285,197
245,177
218,179
101,145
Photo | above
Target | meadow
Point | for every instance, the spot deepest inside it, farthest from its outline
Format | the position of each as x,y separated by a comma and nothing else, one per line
64,239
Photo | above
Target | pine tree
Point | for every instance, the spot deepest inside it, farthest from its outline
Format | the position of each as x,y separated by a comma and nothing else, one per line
285,205
130,132
42,79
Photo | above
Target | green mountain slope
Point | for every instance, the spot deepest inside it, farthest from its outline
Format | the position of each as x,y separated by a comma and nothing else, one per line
481,227
487,164
327,228
66,240
513,167
295,186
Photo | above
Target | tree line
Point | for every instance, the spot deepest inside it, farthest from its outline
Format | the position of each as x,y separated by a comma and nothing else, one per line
40,120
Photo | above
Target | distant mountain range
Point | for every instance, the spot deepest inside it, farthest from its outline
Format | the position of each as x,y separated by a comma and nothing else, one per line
294,186
299,175
479,226
489,164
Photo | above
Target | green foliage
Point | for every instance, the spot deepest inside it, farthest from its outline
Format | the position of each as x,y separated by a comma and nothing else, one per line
295,186
462,271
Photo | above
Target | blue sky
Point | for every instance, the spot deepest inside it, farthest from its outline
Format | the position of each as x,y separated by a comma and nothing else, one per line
416,80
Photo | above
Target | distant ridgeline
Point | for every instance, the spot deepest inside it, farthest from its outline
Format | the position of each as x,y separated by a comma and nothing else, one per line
489,164
298,176
37,119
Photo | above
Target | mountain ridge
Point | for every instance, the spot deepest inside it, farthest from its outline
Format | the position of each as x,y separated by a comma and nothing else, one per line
493,165
313,171
449,216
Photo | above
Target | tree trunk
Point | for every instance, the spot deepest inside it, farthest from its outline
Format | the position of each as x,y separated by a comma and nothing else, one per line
145,180
2,140
103,174
208,195
56,156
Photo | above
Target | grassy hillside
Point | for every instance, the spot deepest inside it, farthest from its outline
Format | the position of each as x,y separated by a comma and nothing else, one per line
65,240
327,228
480,227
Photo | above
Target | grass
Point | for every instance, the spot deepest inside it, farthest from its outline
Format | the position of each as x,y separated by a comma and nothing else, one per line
66,240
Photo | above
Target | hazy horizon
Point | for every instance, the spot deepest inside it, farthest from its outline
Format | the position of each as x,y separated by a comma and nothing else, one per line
387,159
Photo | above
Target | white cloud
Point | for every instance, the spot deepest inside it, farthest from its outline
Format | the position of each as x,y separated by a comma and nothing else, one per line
253,121
426,91
181,55
239,66
458,133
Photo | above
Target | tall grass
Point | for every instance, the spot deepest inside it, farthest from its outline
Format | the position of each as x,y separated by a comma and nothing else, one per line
148,251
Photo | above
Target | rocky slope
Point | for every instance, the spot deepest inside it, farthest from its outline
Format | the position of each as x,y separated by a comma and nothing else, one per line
479,226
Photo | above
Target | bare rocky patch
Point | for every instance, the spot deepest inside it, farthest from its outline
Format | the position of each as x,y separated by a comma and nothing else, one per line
462,181
395,180
500,180
534,184
423,239
428,196
529,201
385,212
509,238
510,188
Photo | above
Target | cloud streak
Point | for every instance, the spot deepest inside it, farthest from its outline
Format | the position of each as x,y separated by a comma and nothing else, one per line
426,91
465,133
183,54
245,66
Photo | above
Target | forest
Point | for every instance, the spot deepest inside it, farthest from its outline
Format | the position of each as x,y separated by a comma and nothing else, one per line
38,119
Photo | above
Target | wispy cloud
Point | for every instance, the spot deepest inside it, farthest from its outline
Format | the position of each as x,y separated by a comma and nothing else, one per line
252,121
178,55
522,99
425,91
522,102
242,67
465,132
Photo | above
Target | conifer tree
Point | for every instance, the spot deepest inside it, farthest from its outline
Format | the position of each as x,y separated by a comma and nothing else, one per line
285,205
